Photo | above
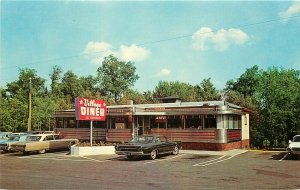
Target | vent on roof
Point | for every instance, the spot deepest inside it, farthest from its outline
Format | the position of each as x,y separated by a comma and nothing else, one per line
171,99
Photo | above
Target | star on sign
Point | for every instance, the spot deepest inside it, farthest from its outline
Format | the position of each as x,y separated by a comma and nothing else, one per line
80,102
104,104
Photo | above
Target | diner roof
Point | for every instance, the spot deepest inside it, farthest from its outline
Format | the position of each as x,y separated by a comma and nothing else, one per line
208,107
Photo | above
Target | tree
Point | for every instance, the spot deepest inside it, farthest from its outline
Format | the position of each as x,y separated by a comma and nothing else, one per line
206,91
115,77
55,77
71,86
133,95
247,83
43,110
175,89
89,84
14,100
278,96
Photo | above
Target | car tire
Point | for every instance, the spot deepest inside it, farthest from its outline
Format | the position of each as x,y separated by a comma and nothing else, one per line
129,157
176,150
5,151
42,151
153,154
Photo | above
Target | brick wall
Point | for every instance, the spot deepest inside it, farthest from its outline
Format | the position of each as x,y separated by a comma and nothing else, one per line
216,146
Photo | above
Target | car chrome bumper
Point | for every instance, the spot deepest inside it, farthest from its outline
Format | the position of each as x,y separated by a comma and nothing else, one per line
129,153
293,151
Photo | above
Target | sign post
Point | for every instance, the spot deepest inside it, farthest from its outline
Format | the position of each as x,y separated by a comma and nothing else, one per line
91,133
92,110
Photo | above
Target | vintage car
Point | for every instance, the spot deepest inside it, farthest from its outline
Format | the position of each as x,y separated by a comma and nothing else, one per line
5,135
294,146
43,142
148,145
6,146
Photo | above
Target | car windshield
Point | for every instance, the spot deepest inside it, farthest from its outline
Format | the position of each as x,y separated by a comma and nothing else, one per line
33,138
297,139
142,139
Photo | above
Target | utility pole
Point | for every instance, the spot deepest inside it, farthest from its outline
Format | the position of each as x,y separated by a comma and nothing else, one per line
29,107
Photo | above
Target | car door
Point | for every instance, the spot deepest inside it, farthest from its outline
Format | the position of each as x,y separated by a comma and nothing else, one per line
168,146
57,143
163,145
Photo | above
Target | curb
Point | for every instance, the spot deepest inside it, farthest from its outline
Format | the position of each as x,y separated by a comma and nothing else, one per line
276,151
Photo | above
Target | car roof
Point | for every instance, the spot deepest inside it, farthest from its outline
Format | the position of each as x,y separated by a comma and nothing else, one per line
149,136
42,135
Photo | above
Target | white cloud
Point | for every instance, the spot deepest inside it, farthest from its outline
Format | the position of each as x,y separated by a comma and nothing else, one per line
291,11
96,51
164,72
133,53
205,38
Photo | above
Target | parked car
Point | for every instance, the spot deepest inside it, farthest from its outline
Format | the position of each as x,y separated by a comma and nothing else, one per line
43,142
294,146
148,145
6,146
41,132
5,135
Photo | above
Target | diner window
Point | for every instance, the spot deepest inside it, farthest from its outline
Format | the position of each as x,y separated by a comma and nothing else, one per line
193,121
112,123
99,124
174,122
234,122
210,122
84,124
72,123
156,123
59,122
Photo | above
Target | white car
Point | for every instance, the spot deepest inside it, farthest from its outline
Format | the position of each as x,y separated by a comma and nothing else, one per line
294,146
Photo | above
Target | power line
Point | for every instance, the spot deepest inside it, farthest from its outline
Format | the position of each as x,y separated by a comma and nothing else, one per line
153,42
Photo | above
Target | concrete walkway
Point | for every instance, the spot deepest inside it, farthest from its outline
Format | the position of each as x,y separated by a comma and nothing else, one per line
203,152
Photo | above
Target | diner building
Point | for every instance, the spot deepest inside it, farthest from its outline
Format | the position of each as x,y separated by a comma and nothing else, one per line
209,125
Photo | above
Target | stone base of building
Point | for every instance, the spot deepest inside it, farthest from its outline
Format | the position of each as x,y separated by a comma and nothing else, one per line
244,144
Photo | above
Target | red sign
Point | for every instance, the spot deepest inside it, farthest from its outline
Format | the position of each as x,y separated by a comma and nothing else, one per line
89,109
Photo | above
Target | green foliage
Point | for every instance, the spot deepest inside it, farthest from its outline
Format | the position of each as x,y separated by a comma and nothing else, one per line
116,77
273,96
175,89
206,91
278,101
55,78
71,85
42,112
137,97
247,83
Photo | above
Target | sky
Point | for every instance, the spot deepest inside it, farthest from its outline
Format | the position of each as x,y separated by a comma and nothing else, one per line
185,41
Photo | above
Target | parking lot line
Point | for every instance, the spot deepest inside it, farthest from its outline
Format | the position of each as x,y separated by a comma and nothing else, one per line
201,163
284,157
45,156
60,159
220,160
91,159
164,159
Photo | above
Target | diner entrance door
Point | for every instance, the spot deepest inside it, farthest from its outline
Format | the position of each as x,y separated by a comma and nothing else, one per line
140,125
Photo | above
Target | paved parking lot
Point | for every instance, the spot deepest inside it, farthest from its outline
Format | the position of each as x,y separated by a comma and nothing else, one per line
188,170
